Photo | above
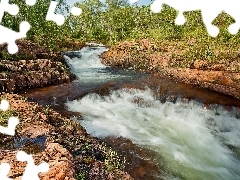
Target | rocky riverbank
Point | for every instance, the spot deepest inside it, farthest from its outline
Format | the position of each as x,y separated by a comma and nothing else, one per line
169,60
21,75
68,149
70,152
32,67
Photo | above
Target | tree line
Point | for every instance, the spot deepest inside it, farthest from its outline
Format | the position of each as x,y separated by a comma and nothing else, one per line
117,20
110,22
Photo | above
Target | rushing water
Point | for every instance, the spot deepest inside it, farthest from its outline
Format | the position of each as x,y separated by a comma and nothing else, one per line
89,70
195,142
191,140
179,131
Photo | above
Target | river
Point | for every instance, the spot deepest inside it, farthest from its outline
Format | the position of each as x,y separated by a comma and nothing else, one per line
178,131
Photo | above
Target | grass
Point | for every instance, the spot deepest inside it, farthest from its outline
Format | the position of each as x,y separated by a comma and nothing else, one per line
5,115
81,176
197,44
113,161
46,109
191,41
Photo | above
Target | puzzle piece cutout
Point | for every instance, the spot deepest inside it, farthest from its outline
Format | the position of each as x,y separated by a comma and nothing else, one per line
4,105
210,9
133,1
30,2
7,35
10,36
51,16
58,18
10,130
12,121
6,7
4,170
76,11
31,171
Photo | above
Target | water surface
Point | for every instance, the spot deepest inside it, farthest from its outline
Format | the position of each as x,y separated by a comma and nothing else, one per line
178,131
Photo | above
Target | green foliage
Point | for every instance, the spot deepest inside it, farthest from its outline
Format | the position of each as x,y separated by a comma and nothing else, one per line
116,20
81,176
112,160
5,115
46,33
108,22
46,109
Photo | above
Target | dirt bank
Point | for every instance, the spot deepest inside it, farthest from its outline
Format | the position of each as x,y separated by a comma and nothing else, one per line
164,59
70,152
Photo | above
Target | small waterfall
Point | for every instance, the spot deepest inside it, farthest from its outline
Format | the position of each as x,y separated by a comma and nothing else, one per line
87,66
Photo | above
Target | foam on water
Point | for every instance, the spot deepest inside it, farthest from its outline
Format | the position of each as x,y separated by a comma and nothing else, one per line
89,58
86,65
192,141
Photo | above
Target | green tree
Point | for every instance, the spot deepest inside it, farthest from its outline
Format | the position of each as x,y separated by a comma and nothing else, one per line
46,33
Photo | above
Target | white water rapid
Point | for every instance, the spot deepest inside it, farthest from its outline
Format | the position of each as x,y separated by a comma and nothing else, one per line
192,141
86,65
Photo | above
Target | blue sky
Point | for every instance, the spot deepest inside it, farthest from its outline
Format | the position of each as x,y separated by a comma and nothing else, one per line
140,2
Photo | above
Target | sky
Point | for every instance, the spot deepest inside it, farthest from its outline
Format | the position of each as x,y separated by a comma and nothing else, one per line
140,2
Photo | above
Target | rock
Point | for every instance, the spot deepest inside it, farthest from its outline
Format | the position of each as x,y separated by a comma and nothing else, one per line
36,129
10,85
78,151
27,74
42,55
218,67
199,64
159,60
221,76
21,82
32,67
61,168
